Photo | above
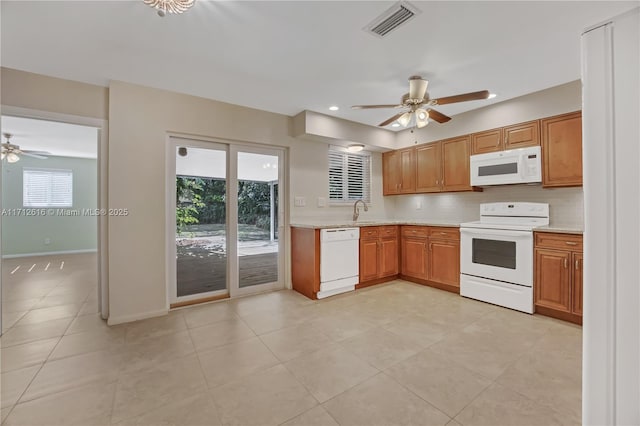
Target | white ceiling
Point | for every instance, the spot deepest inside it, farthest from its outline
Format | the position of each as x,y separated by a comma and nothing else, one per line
293,55
59,139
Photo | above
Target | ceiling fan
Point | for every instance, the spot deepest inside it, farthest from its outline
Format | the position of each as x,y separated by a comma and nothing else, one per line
417,103
13,152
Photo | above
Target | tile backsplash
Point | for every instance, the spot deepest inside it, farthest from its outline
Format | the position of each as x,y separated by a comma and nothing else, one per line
565,204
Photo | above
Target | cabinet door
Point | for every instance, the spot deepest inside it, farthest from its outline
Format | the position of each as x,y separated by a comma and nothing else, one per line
521,135
552,279
414,258
562,150
489,141
576,289
428,172
444,262
391,176
455,164
368,260
407,170
388,257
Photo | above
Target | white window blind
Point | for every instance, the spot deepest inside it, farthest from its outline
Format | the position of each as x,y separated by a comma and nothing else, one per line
349,177
47,188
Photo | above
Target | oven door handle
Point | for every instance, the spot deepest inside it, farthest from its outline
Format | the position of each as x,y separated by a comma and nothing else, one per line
497,232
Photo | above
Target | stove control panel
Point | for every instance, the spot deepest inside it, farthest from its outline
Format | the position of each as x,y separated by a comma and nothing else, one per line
515,209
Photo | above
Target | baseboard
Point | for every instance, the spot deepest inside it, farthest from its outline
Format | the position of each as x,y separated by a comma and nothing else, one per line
136,317
48,253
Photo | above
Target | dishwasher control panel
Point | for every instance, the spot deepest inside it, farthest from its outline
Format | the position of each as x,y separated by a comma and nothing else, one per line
339,234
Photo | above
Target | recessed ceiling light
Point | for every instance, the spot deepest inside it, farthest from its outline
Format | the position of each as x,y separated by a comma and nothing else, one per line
492,95
395,125
334,108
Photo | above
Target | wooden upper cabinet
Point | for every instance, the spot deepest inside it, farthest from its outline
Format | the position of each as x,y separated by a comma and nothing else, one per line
562,150
455,164
391,167
522,135
489,141
407,170
428,167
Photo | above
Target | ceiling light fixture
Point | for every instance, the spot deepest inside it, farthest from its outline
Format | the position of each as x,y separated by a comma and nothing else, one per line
355,147
334,108
492,95
422,118
404,119
171,6
396,124
12,157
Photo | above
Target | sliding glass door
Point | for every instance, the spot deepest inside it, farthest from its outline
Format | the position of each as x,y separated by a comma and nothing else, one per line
258,225
224,220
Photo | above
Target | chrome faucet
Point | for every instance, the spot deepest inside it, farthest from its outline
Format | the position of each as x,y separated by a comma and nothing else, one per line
356,210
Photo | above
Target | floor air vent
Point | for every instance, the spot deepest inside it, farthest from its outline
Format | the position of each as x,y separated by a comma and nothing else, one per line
392,18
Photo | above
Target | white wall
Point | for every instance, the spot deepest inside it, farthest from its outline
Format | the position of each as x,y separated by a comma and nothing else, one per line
565,204
611,129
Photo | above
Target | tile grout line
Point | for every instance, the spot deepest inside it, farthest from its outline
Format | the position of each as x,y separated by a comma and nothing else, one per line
18,401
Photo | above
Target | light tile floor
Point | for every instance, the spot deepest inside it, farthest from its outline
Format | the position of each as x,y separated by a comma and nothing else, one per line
392,354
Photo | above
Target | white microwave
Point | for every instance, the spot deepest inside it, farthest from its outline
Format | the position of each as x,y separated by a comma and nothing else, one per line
520,165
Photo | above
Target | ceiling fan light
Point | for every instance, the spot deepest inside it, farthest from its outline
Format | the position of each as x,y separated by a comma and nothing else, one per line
3,155
12,157
404,119
422,118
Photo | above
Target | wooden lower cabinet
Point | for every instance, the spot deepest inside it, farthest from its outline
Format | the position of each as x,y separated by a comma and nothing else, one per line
431,256
444,262
558,276
414,258
378,254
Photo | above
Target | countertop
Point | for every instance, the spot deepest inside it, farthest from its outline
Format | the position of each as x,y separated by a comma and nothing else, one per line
320,224
560,229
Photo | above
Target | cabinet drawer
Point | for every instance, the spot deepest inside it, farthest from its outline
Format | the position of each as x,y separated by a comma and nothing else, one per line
415,231
559,241
388,231
445,233
369,232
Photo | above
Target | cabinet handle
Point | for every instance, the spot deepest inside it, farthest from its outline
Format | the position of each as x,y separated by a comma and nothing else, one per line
577,264
443,233
565,263
571,243
430,246
498,144
506,139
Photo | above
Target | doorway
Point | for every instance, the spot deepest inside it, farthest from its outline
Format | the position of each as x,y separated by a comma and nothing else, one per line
224,220
52,230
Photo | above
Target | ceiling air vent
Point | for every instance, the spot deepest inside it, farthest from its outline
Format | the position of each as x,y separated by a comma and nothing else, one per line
392,18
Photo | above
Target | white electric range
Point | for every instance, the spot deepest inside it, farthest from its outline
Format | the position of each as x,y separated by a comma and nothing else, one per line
496,254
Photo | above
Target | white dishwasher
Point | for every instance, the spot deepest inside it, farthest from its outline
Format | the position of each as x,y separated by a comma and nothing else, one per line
339,261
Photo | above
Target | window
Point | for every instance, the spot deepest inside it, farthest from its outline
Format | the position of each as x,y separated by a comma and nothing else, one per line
349,177
47,188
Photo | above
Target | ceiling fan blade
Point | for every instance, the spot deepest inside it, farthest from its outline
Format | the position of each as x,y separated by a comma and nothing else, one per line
473,96
438,116
36,152
390,120
375,106
41,157
417,87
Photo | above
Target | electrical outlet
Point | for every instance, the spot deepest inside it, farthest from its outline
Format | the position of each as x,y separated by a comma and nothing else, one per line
322,201
300,201
47,241
418,204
